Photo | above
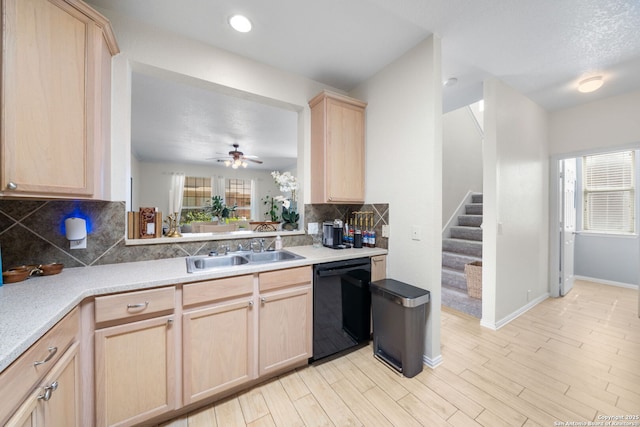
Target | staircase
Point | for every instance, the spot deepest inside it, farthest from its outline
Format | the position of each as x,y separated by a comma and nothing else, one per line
464,246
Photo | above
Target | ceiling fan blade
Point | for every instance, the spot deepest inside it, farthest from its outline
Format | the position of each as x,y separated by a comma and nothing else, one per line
253,160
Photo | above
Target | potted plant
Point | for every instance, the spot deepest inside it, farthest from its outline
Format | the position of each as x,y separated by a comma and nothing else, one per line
193,216
272,203
218,209
290,218
288,184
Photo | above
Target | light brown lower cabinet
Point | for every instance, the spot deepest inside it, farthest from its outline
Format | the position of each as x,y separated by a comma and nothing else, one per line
286,324
218,348
135,371
55,403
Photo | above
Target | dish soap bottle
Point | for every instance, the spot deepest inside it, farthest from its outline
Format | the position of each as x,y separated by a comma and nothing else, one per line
278,243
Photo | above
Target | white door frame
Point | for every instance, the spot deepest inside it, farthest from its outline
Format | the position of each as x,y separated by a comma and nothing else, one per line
554,210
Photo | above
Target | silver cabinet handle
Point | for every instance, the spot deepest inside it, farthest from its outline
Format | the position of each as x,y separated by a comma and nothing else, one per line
250,303
48,390
263,300
169,322
139,305
52,352
12,186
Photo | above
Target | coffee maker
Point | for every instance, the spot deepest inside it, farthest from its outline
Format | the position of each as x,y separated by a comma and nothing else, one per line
332,234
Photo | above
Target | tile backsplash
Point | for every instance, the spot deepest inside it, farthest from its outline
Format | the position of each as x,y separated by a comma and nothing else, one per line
31,232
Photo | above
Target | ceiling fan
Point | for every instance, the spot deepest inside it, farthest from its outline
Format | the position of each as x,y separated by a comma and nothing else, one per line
237,158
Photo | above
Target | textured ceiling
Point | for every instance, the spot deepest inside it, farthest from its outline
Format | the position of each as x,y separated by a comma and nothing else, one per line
542,48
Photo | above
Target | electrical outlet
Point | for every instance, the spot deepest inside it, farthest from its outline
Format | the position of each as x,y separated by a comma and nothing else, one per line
385,230
416,232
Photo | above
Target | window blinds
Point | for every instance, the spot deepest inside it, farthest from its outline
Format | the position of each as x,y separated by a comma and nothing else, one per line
609,188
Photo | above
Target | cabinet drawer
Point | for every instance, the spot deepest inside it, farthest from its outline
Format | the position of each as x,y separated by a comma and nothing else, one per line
23,374
218,289
289,277
132,304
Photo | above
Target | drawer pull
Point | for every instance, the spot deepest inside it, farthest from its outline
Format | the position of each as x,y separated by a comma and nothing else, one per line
263,300
141,305
48,390
52,352
250,303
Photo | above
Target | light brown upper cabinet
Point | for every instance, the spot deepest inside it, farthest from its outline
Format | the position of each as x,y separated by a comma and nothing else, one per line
56,90
337,149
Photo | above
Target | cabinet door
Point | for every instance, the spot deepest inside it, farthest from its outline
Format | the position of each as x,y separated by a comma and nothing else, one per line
378,267
135,371
46,116
56,402
218,348
285,328
345,152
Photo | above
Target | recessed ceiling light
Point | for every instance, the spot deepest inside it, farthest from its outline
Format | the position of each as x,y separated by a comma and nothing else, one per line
240,23
591,84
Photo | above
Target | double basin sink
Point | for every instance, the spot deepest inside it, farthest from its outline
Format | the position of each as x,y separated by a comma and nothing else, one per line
204,263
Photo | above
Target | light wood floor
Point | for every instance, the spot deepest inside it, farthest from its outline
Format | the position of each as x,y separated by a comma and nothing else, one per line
575,358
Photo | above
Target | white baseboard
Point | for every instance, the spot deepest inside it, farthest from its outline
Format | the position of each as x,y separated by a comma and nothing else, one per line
500,323
432,363
607,282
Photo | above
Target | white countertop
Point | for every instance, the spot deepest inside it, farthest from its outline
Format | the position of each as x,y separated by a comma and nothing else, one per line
29,309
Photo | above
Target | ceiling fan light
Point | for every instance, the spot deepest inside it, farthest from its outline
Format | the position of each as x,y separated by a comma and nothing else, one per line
590,85
234,165
245,164
227,163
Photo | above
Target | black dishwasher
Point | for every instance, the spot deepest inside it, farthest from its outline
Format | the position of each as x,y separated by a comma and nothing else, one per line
341,306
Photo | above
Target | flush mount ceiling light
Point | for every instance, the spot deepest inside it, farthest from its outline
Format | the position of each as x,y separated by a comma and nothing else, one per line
450,82
591,84
240,23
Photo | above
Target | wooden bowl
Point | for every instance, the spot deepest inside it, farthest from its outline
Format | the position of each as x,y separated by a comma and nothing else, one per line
51,269
15,275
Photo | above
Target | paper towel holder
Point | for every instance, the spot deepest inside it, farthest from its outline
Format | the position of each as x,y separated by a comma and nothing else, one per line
76,232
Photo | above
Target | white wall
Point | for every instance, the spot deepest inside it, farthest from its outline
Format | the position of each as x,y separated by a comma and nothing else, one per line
611,122
404,168
146,47
516,204
462,159
154,180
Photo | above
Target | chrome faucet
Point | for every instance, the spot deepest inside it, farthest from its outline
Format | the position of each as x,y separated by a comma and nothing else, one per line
259,242
222,250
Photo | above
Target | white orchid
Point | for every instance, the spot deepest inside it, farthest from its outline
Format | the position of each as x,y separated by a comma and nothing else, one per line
286,181
285,202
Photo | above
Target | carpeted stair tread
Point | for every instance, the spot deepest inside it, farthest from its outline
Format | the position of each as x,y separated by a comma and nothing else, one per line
477,198
473,208
470,220
454,278
461,301
466,232
463,246
455,261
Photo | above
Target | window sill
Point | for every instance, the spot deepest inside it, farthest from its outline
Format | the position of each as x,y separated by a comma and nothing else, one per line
201,237
605,234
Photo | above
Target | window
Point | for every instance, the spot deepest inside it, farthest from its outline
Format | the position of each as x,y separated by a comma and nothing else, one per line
198,192
238,192
609,192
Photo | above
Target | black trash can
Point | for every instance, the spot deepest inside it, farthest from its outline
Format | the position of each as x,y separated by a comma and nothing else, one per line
399,317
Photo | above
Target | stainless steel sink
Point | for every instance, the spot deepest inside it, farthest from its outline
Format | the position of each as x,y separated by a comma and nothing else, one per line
203,263
206,263
271,256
